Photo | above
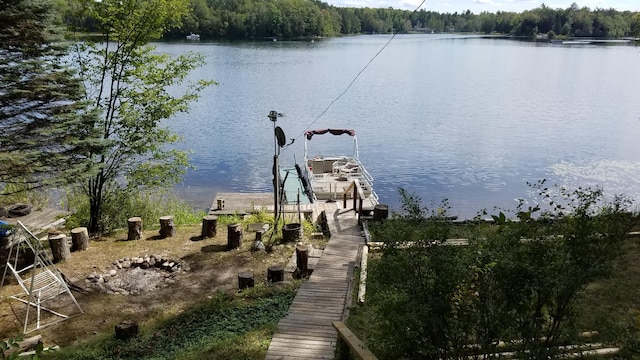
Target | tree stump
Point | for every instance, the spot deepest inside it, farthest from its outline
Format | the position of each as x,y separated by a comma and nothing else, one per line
291,232
234,236
245,280
135,228
302,259
209,224
275,273
167,227
380,212
59,247
126,330
79,239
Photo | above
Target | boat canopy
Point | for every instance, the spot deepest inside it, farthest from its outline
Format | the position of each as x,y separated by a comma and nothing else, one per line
309,134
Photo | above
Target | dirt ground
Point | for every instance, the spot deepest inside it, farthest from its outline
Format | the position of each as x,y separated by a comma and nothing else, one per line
206,266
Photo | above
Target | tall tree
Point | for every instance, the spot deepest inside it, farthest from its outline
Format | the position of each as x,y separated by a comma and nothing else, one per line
128,85
46,132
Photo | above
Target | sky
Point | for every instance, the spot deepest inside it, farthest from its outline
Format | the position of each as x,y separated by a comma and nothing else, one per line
477,6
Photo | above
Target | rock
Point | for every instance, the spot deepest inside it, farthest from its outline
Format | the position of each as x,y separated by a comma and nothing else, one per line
152,261
112,272
144,265
258,246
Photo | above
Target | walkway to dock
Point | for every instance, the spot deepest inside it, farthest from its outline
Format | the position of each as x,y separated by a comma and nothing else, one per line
306,332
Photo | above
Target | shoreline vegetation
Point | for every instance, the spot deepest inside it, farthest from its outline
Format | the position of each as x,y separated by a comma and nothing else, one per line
299,19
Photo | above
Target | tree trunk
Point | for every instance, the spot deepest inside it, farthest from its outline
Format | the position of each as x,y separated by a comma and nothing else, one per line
126,330
80,239
59,248
135,228
167,227
234,236
275,273
209,224
95,186
302,259
245,280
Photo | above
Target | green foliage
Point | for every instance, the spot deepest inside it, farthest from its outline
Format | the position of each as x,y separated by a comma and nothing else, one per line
128,86
516,280
46,126
12,345
20,194
205,327
291,19
149,205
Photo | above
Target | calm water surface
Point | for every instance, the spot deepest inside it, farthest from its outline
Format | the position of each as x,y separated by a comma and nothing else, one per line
469,119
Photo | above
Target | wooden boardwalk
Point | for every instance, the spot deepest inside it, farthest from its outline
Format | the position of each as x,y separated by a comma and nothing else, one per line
306,332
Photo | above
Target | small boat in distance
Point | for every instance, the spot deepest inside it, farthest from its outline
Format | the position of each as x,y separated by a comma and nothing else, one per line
330,176
193,36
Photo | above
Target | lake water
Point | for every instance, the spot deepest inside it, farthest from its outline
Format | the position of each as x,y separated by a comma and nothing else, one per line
469,119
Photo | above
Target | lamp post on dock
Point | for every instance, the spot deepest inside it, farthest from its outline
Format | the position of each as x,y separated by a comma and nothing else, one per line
279,141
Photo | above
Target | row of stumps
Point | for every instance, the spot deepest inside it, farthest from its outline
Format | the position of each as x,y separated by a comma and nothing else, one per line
246,280
275,273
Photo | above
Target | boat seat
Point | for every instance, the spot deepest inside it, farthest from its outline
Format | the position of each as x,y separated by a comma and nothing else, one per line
317,166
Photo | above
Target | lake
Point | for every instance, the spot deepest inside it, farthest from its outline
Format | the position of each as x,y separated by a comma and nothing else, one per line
469,119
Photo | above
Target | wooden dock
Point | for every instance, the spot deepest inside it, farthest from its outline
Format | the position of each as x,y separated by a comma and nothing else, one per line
39,220
248,203
307,331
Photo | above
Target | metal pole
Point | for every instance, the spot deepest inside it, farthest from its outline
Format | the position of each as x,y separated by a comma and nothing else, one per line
276,186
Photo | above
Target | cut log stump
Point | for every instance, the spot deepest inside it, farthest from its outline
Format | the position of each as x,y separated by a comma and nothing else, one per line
275,273
135,228
302,260
291,232
209,224
234,236
59,247
380,212
126,329
79,239
167,226
245,280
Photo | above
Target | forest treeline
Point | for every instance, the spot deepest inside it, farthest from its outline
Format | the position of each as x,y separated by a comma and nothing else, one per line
292,19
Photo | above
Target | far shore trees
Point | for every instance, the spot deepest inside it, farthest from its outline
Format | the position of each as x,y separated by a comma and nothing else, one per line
127,83
46,128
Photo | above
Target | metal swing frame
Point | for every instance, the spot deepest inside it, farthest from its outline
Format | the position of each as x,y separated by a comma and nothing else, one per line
40,281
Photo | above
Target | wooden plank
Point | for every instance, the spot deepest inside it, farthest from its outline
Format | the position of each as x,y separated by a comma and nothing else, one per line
329,338
356,346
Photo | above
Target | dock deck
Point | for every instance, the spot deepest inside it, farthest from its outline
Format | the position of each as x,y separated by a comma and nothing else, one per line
306,332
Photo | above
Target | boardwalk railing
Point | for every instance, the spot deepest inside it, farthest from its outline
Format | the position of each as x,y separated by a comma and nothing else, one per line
358,197
356,346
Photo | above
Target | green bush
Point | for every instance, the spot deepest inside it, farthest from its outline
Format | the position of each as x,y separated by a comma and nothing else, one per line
123,205
518,279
